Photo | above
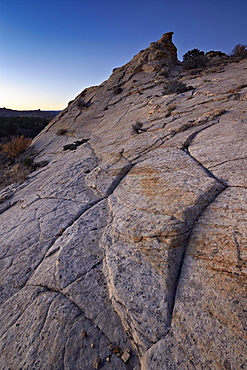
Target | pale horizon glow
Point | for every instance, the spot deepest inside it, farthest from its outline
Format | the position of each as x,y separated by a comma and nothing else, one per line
52,50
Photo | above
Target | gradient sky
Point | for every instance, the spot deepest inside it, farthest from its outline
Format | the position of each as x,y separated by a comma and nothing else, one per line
50,50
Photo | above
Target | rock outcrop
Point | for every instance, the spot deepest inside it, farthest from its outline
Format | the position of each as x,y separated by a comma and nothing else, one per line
128,249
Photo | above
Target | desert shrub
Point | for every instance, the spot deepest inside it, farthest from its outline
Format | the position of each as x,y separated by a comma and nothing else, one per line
137,127
239,51
81,104
27,162
16,173
194,59
176,87
117,90
16,170
213,53
15,146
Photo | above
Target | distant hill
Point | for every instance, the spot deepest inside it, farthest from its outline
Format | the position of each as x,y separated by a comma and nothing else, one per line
5,112
25,122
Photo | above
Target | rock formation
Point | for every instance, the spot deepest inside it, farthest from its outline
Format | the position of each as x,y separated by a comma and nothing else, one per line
128,249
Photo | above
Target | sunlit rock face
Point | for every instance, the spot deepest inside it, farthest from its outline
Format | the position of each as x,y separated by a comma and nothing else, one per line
128,249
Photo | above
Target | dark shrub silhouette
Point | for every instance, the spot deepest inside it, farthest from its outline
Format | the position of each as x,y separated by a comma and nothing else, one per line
194,59
239,51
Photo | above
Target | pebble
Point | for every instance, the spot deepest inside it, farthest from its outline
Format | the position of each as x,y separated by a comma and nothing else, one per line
97,363
112,346
126,355
116,350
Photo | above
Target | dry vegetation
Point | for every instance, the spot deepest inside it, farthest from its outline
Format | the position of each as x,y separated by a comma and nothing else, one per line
16,155
239,51
15,165
15,146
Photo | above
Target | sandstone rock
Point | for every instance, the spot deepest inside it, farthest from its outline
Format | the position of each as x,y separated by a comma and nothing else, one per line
211,313
97,363
132,239
126,355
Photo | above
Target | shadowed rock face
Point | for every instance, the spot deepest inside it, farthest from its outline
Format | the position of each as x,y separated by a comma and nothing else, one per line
128,250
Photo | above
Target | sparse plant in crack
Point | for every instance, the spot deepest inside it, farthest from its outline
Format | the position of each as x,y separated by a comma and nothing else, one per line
176,87
81,104
164,74
137,127
117,90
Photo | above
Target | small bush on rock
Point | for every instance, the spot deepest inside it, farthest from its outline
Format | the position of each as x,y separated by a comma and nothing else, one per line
117,90
239,51
194,59
137,127
176,87
81,104
27,162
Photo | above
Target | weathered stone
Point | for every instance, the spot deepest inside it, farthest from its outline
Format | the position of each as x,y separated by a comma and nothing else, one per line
211,313
126,355
116,350
133,237
112,346
97,363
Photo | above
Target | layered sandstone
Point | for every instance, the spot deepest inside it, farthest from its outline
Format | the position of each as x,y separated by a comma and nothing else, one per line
128,250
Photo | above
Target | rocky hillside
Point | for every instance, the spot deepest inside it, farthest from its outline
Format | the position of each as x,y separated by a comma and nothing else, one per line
128,249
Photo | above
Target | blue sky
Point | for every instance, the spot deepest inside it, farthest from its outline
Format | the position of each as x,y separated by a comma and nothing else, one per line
50,50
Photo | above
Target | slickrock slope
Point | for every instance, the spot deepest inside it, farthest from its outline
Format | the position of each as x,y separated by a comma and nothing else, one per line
131,241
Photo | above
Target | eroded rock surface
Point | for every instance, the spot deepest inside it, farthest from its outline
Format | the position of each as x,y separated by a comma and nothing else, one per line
128,250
